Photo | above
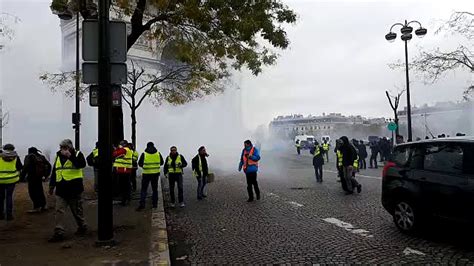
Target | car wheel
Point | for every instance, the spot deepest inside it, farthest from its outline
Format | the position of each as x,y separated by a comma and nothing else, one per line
405,216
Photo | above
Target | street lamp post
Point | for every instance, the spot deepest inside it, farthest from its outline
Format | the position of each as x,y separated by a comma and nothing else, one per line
406,31
77,121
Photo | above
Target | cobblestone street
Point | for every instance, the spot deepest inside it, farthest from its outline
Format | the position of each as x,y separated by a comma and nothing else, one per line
300,221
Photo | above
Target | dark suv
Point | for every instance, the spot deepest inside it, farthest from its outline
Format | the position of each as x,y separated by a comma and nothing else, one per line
431,178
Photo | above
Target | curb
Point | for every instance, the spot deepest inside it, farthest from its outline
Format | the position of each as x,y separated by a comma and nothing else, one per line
159,250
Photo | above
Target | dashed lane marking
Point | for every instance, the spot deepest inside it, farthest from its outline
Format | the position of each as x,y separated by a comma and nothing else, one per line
348,227
410,251
357,175
295,204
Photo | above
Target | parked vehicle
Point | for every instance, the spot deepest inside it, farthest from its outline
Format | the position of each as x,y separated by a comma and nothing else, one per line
306,141
430,179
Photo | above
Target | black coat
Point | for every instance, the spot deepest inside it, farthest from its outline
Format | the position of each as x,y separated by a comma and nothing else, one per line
318,159
195,166
362,151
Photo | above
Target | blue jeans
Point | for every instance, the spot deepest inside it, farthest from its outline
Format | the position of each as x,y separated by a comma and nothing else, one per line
6,191
146,180
201,184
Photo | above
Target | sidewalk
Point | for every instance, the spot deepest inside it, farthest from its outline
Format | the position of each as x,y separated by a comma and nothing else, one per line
24,240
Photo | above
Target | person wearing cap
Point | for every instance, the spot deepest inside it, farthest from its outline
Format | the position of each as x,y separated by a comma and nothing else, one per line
173,169
200,171
150,161
10,167
67,179
35,169
123,165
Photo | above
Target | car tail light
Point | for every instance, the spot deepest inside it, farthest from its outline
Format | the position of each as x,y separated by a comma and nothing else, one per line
387,166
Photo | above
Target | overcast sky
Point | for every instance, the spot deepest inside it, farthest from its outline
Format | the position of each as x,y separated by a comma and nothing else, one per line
337,62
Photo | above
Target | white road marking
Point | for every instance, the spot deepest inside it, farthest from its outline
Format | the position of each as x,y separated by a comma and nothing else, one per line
273,195
296,204
409,251
348,227
357,175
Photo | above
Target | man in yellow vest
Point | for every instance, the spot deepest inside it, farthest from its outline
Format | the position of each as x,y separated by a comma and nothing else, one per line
173,169
10,167
67,179
318,161
133,174
150,161
200,171
326,146
93,160
123,165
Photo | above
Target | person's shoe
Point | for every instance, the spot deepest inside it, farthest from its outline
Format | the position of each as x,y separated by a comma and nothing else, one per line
258,197
182,205
172,205
81,231
140,208
359,188
33,211
349,192
249,200
56,238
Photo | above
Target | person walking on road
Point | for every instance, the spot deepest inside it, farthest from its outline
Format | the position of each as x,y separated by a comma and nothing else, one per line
173,169
362,155
200,171
326,146
35,169
150,161
10,167
123,165
298,146
318,161
249,162
93,160
67,179
133,173
349,155
374,149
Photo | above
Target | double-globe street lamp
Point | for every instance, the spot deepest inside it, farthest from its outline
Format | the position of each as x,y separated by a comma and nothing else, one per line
406,31
65,9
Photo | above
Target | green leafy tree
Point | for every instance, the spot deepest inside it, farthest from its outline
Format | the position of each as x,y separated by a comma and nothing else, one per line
211,37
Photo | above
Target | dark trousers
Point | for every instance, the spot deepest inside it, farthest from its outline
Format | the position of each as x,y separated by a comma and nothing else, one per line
252,184
6,193
318,170
146,180
176,178
125,187
362,164
326,153
133,179
201,184
35,189
373,160
298,150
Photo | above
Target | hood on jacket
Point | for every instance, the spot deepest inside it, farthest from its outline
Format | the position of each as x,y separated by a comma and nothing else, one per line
151,150
345,141
8,154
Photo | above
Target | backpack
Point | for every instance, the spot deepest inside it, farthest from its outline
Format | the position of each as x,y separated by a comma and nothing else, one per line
42,166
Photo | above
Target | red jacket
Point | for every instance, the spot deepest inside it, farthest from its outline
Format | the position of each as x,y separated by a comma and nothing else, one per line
118,153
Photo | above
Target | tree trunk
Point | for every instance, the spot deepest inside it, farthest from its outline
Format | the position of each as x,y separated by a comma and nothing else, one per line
397,131
134,126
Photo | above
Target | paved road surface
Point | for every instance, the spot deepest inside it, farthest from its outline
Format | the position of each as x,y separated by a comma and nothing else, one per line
301,221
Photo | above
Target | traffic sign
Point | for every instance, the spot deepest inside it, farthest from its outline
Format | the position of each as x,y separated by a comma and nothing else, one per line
116,95
118,41
90,73
392,126
94,95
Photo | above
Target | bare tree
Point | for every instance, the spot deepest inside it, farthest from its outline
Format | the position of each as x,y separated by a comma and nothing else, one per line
5,119
436,63
394,105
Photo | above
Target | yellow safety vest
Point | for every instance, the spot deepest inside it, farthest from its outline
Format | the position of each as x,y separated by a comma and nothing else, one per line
135,156
356,162
125,161
200,167
95,153
326,146
339,158
317,151
8,172
151,163
67,171
177,170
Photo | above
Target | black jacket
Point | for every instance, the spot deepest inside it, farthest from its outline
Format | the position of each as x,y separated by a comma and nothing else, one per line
362,151
318,159
348,151
173,162
150,150
68,189
195,166
29,171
